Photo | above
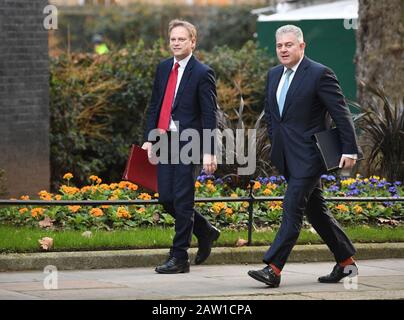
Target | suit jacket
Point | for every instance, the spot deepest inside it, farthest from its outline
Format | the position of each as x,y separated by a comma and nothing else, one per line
313,94
195,102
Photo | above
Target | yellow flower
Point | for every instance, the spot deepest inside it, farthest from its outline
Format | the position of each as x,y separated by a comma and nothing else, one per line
358,209
74,209
68,176
257,185
104,186
211,187
234,195
347,182
58,197
342,207
123,213
272,186
267,192
228,212
198,184
369,206
22,210
245,204
24,197
113,186
36,212
96,212
366,180
156,195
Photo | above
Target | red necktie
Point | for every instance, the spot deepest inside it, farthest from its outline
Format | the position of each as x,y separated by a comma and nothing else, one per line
165,113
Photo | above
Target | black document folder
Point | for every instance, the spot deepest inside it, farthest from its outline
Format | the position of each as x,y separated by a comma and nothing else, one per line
329,144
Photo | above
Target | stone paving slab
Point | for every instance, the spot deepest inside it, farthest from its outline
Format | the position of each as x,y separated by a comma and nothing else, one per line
378,279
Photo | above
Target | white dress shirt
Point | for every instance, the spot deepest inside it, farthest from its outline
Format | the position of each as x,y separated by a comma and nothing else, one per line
183,63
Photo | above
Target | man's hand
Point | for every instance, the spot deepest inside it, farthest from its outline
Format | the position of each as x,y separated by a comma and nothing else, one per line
149,147
209,163
346,163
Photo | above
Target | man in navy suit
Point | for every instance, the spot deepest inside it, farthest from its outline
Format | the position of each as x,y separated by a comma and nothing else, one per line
183,98
300,94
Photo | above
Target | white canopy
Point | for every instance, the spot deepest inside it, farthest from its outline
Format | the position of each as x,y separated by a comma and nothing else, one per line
347,9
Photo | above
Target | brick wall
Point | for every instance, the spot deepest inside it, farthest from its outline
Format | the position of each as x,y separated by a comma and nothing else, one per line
24,97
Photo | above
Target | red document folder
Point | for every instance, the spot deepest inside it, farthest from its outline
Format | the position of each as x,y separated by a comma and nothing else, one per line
139,170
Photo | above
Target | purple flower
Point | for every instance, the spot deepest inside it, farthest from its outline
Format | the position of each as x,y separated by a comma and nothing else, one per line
353,192
397,183
392,189
218,181
272,179
333,188
380,185
388,204
331,178
324,176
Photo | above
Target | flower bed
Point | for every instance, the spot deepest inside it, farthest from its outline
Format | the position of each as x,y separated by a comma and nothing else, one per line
224,214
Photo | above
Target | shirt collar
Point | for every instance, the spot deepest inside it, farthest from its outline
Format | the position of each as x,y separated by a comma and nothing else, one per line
294,68
183,63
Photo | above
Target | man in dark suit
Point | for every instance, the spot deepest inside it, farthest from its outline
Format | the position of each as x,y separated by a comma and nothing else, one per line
183,98
300,94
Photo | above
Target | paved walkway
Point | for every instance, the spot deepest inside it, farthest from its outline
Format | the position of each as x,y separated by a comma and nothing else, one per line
378,279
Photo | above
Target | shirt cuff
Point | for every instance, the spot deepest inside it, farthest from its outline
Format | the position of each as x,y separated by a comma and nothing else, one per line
352,156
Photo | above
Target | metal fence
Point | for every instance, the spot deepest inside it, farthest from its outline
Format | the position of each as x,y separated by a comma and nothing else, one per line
251,199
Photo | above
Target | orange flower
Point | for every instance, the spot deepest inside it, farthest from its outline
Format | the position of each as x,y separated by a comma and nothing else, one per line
36,212
257,185
141,210
144,196
68,176
44,195
197,184
342,207
228,212
74,209
95,179
22,210
85,189
24,197
69,190
234,195
58,197
96,212
123,213
358,209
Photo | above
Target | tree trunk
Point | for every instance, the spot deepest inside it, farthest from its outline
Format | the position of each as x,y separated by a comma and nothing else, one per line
380,48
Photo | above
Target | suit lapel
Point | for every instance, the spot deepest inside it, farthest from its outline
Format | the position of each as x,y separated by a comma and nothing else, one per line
296,82
185,77
273,88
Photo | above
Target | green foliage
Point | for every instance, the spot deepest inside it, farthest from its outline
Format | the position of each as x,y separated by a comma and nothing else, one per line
232,25
383,126
232,215
98,103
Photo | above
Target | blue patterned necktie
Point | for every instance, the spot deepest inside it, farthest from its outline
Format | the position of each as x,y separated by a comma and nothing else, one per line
284,90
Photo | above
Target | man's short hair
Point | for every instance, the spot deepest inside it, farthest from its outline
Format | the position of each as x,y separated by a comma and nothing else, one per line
182,23
290,28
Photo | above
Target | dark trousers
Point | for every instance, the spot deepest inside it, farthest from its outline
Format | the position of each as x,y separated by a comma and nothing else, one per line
176,188
305,196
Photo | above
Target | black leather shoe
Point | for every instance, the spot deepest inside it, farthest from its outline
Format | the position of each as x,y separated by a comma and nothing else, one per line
339,272
205,245
267,276
174,265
